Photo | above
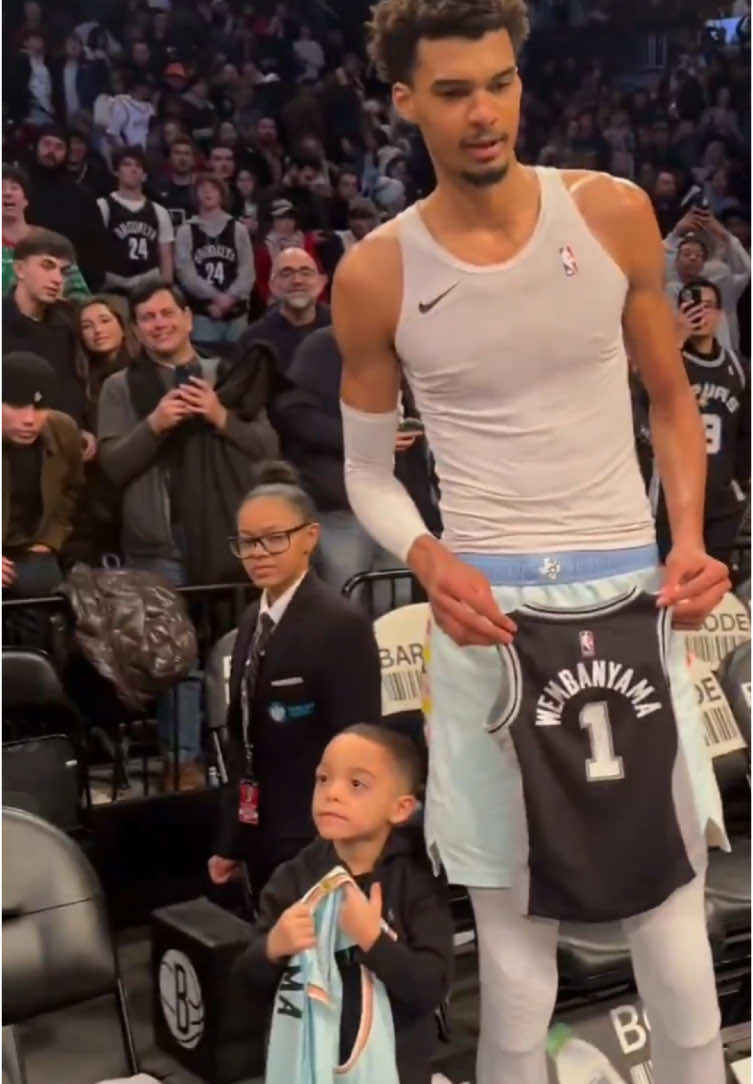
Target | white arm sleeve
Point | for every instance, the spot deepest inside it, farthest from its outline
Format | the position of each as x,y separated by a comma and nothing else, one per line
379,501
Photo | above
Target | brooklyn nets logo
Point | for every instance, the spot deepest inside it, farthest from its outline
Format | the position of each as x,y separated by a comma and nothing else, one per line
180,994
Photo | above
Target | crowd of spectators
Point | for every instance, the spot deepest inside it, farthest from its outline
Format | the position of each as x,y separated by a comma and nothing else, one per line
179,183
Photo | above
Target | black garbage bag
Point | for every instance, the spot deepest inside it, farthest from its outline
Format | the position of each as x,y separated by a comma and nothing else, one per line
133,628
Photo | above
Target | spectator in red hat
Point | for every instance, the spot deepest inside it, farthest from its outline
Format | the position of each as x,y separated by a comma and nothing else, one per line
175,77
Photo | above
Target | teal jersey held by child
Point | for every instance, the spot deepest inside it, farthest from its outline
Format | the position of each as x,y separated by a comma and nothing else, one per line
304,1043
406,972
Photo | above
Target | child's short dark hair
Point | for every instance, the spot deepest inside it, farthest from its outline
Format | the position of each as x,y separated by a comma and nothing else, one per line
135,154
402,748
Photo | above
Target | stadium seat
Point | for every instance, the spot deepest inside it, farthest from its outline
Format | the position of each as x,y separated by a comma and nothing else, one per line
728,890
57,946
594,957
742,591
734,678
34,701
44,740
216,679
728,877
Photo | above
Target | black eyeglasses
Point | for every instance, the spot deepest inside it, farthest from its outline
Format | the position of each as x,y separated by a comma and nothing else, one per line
275,542
288,273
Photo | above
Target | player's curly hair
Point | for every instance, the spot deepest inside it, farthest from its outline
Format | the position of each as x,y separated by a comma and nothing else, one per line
397,26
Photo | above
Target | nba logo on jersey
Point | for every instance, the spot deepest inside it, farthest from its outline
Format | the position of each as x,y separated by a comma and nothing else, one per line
587,645
569,263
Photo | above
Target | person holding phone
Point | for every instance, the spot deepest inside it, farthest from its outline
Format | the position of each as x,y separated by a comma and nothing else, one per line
700,246
721,384
178,431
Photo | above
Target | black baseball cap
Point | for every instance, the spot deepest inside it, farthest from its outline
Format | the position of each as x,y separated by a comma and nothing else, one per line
28,380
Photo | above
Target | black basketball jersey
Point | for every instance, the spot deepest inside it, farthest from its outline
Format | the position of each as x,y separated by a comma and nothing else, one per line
720,386
178,201
134,239
588,708
216,261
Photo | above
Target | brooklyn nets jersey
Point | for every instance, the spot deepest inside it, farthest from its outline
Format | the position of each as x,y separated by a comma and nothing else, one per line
216,261
588,709
134,239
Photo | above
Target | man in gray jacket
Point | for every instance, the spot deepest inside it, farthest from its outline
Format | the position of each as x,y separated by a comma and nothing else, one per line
161,423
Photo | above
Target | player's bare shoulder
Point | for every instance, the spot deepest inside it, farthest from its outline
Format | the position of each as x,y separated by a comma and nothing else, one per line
368,279
618,212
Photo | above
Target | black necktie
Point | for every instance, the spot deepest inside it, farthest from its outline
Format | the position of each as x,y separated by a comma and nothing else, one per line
265,626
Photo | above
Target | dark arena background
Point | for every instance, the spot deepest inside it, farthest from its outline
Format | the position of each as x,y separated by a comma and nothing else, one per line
203,142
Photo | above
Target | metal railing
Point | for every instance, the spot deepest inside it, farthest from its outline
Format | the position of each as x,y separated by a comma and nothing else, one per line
381,591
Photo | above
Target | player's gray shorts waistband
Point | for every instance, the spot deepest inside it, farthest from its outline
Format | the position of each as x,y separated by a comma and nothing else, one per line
576,566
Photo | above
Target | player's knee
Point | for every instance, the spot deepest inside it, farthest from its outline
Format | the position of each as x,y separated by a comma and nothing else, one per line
517,1010
686,1007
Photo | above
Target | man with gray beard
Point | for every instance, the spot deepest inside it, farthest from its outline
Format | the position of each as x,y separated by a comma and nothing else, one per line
296,283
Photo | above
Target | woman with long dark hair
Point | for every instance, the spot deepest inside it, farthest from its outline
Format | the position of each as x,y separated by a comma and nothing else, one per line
109,345
106,338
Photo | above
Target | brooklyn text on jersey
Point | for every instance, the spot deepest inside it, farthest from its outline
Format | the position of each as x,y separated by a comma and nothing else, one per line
132,228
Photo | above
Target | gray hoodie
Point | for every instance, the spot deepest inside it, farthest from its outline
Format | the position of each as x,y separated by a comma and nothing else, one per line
193,283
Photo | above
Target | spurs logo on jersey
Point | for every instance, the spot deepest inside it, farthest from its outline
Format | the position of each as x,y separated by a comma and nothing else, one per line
134,238
588,708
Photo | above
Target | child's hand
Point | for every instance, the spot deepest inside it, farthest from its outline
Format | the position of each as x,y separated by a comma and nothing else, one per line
293,932
361,918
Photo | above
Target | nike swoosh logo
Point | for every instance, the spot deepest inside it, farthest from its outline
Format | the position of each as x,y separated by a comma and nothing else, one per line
427,306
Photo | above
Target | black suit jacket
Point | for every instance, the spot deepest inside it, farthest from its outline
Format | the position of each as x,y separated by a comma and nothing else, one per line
319,675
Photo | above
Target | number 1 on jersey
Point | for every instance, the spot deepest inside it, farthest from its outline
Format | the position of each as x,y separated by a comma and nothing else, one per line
602,764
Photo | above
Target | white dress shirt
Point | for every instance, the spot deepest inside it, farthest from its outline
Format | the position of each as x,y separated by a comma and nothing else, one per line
278,608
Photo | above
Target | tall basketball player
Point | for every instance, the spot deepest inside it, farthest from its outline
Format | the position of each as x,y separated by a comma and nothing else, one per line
509,298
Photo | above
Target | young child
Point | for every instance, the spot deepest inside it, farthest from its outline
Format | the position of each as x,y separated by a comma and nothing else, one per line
364,793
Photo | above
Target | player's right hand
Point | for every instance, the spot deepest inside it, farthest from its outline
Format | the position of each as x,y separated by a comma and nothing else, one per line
293,932
461,597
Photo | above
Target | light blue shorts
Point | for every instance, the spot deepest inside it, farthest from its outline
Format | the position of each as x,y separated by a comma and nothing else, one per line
474,795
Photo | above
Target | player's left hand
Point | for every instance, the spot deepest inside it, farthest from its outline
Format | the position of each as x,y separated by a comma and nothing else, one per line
361,918
694,584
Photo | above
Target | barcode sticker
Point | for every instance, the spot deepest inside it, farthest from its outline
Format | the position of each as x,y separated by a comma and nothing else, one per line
642,1074
403,686
722,733
712,649
401,637
725,628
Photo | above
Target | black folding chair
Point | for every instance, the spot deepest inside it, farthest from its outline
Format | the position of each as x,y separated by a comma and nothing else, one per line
36,706
52,898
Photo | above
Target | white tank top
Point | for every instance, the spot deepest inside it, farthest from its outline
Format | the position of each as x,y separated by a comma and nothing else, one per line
521,378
